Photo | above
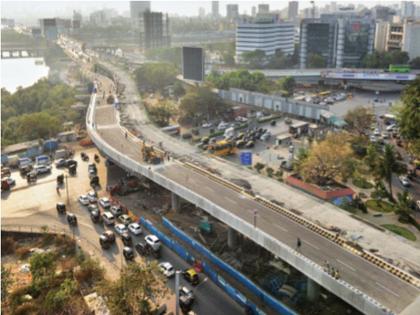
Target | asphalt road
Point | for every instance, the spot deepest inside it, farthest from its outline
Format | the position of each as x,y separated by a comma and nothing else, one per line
34,205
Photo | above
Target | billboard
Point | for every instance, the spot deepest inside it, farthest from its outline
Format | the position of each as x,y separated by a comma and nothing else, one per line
193,63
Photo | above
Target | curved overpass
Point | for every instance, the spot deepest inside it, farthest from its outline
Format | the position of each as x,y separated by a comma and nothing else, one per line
368,283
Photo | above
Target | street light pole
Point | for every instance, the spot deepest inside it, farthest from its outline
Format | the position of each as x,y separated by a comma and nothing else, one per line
67,191
177,273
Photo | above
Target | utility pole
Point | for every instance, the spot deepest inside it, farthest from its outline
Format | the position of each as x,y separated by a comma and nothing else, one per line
177,273
67,191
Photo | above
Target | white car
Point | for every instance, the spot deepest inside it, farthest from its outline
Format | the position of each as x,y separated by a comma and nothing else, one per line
153,241
84,200
167,269
373,139
390,127
121,229
207,125
376,132
222,126
92,196
42,169
404,181
135,228
104,202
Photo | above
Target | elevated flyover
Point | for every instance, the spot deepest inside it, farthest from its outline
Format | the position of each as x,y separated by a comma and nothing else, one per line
367,282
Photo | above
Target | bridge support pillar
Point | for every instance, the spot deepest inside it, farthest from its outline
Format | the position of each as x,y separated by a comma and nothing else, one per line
232,238
312,290
175,202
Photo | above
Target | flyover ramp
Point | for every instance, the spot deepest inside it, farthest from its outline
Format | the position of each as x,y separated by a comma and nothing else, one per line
368,288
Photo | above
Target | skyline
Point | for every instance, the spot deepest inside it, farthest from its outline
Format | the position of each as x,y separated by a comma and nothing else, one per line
22,12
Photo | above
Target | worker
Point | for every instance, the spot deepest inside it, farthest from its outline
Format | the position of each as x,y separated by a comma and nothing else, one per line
126,134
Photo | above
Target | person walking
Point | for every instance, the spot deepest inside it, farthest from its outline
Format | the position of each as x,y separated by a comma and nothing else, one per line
298,243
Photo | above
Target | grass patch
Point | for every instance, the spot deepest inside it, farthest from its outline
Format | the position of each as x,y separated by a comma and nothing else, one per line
379,205
400,230
362,183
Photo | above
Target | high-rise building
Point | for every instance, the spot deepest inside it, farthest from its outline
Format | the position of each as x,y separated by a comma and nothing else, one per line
215,9
154,30
201,12
253,11
383,13
103,17
293,10
408,9
333,7
77,20
263,8
341,39
381,32
137,8
266,34
232,11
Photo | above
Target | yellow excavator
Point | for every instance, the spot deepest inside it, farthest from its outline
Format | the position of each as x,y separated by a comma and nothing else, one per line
150,154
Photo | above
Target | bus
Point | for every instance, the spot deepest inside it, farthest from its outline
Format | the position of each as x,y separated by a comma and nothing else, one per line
399,68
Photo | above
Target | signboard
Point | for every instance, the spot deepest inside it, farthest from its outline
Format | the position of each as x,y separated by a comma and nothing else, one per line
246,158
193,63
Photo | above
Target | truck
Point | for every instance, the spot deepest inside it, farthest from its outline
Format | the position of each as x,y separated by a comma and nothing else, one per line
42,160
61,154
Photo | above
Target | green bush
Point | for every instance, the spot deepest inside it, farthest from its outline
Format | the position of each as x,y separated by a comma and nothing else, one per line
362,183
259,167
379,205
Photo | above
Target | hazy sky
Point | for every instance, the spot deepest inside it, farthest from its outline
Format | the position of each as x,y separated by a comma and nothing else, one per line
24,11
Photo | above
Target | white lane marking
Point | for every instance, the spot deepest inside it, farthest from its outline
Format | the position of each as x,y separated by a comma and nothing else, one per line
280,227
386,289
348,266
310,244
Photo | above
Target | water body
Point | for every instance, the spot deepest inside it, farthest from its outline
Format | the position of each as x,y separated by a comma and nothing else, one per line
21,72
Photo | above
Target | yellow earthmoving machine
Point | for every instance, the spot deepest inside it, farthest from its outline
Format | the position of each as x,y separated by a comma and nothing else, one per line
222,148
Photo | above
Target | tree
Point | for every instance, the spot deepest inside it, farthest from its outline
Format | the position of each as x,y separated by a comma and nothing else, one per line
384,59
327,160
201,103
387,165
408,115
415,63
161,113
255,59
404,206
316,61
155,76
133,292
6,281
56,300
259,167
288,85
359,120
241,79
42,265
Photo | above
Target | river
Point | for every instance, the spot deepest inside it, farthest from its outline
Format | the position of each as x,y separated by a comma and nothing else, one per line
22,72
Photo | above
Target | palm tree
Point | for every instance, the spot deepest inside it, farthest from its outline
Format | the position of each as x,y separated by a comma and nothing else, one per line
404,206
388,165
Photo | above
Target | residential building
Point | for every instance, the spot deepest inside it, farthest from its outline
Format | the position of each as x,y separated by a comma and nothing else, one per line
77,20
136,10
52,28
342,39
103,17
263,8
201,12
404,36
10,23
264,33
408,9
293,10
215,9
154,30
232,11
383,13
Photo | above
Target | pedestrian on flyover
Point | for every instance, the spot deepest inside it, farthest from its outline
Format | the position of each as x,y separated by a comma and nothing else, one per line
126,134
298,243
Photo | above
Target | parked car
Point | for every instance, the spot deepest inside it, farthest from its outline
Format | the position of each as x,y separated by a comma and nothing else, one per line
120,229
126,239
186,299
167,269
191,276
135,228
42,169
61,208
108,218
92,207
404,181
207,125
60,163
142,248
92,196
128,253
124,219
153,241
71,219
116,210
95,216
104,202
10,181
84,200
106,239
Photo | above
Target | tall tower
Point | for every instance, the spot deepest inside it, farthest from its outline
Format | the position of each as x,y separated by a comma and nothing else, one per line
215,9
